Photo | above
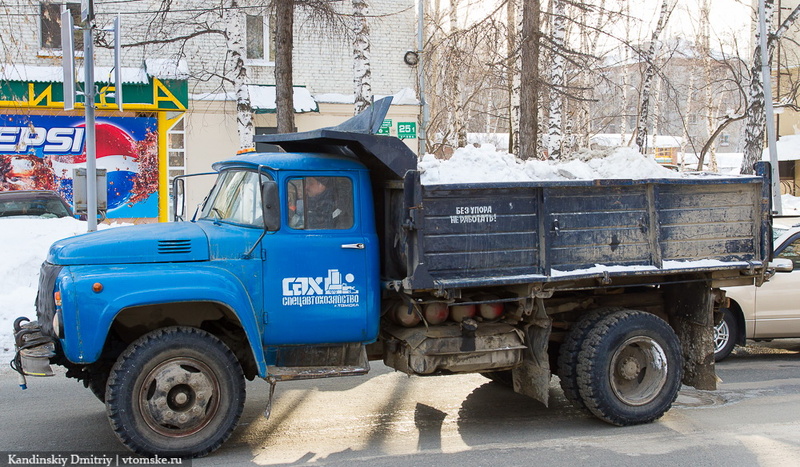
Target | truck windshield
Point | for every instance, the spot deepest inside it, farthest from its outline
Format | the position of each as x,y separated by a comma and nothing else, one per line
236,198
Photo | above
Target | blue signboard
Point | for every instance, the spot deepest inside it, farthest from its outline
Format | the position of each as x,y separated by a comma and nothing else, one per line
39,152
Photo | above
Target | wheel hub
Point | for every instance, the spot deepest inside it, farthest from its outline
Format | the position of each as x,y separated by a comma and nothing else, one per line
630,368
176,397
640,370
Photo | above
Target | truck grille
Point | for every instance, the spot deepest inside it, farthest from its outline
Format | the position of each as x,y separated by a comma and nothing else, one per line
45,303
168,247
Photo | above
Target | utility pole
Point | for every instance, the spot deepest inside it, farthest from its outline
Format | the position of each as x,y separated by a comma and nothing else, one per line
766,77
422,133
89,92
87,15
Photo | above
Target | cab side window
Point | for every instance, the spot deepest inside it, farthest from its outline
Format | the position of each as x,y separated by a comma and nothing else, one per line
792,252
317,203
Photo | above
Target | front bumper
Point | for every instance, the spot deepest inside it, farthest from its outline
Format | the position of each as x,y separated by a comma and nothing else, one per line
33,349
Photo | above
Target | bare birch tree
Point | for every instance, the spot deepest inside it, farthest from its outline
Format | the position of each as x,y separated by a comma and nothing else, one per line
650,71
234,22
756,119
559,33
459,128
362,73
514,64
704,47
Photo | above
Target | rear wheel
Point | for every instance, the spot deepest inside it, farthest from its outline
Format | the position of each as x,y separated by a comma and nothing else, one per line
568,356
630,368
725,335
176,391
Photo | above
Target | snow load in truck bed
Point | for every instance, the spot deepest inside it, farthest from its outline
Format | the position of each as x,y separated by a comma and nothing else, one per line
485,164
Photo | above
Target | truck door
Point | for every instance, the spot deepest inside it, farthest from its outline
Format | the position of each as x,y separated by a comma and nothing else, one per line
316,276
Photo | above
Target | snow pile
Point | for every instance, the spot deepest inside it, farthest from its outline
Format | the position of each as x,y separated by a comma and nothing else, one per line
486,164
787,148
26,242
790,205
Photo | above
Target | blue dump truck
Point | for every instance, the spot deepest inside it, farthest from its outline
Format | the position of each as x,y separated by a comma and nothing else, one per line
313,261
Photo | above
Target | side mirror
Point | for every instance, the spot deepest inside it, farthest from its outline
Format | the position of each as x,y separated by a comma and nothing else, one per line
782,265
270,205
178,200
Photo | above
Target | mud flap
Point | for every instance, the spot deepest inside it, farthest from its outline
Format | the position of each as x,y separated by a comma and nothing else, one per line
532,378
690,308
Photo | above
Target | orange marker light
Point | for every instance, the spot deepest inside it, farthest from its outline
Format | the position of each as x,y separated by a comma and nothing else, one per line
57,298
97,287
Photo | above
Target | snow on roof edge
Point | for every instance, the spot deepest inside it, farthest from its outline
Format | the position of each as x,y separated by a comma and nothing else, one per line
157,68
262,97
405,96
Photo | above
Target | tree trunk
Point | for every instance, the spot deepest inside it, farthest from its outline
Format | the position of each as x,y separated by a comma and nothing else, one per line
555,132
362,74
649,74
656,99
514,10
459,128
284,45
236,48
755,124
712,108
529,86
623,124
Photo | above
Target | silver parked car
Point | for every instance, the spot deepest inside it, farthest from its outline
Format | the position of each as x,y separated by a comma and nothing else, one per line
768,312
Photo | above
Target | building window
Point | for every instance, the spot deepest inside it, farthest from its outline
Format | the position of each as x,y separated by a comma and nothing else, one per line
176,155
258,32
50,23
725,139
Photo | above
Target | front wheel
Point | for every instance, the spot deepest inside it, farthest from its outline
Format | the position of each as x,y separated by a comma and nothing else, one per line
630,368
725,335
177,391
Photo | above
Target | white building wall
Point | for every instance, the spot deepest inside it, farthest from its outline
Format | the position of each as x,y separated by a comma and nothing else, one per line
322,56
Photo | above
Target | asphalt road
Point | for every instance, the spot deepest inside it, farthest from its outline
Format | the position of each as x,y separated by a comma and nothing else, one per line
386,419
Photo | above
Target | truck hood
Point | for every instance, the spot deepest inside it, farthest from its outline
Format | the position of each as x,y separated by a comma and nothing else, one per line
151,243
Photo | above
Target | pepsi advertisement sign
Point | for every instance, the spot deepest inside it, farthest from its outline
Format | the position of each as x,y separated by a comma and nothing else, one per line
39,152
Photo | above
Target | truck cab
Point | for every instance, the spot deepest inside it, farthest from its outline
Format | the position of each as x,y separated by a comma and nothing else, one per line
318,282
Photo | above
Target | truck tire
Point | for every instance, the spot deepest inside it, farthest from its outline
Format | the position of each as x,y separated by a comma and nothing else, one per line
177,391
630,368
568,355
97,384
725,335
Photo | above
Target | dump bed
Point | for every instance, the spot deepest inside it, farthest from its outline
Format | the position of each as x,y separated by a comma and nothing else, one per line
502,233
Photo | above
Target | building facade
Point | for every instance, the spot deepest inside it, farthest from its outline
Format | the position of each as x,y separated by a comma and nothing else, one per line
179,110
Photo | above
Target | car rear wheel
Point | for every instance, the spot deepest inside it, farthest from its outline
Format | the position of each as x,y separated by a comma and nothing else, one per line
725,335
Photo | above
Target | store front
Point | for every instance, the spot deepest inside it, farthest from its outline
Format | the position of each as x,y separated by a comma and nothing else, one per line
41,144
